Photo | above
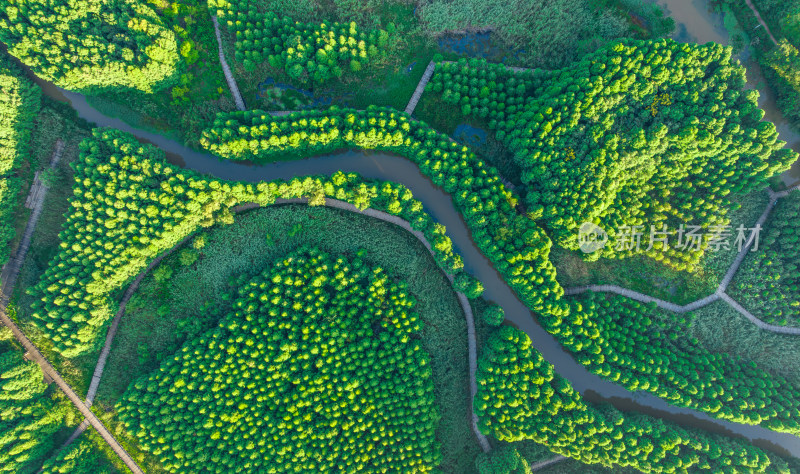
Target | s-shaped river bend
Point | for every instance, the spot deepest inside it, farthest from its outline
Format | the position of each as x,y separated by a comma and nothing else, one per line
389,167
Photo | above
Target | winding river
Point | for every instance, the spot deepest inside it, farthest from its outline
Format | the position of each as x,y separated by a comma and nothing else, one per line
394,168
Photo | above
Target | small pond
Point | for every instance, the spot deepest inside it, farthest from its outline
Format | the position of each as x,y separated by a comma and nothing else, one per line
471,136
479,45
288,97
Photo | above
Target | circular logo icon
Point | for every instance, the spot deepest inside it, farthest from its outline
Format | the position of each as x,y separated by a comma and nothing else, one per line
591,237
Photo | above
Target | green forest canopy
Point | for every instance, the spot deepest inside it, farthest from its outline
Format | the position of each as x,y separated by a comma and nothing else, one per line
79,457
648,133
317,368
591,337
86,45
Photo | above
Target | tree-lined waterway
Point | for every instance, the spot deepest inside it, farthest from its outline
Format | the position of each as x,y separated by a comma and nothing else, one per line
697,22
394,168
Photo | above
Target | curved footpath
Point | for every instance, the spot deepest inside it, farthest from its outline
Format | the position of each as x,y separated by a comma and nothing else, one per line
10,274
334,203
547,463
761,21
439,205
720,293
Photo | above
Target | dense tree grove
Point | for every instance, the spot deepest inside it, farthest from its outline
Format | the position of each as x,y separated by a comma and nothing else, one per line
518,248
520,397
318,368
28,416
780,62
503,460
19,104
79,457
638,133
87,45
130,205
768,282
258,136
306,51
632,344
783,68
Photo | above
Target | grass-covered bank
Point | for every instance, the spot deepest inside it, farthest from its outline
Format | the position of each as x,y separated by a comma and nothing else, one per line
653,278
167,311
55,121
721,329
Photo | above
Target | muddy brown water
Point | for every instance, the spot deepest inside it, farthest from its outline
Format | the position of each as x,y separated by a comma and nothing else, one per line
385,166
697,22
438,203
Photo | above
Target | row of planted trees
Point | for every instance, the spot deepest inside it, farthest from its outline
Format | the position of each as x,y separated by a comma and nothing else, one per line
317,368
308,52
19,105
518,248
521,398
650,133
130,205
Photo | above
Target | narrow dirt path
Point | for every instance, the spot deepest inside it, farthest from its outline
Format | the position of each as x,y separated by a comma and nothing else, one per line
9,279
334,203
635,295
237,97
34,201
761,324
548,463
760,20
721,290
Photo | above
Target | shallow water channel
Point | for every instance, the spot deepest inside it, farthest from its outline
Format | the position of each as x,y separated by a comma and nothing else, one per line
384,166
389,167
696,22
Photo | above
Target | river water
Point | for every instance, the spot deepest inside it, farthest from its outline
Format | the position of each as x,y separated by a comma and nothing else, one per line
394,168
696,22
